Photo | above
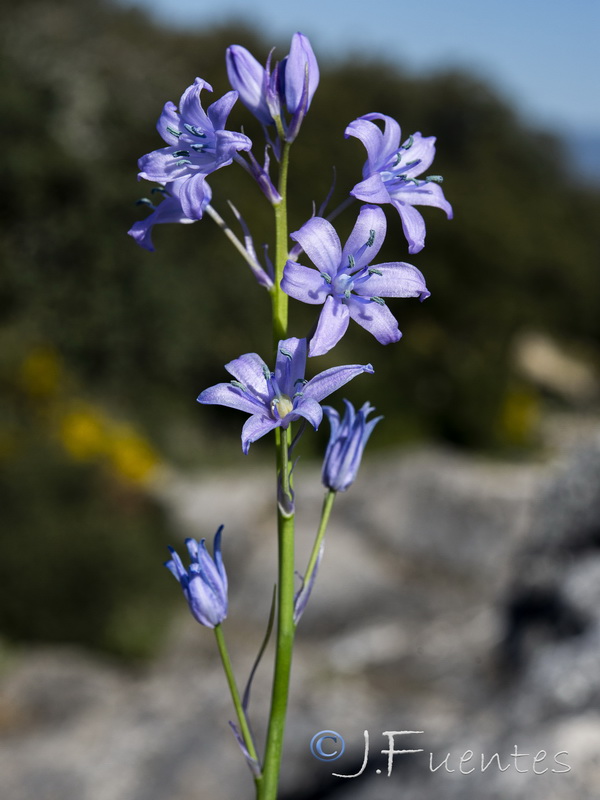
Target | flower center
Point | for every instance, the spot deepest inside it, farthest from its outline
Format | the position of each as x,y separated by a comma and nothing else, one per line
281,406
343,284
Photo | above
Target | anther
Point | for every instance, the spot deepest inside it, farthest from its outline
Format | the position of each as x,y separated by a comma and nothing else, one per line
371,238
435,178
373,271
182,162
173,132
178,153
144,201
238,385
194,130
326,277
198,147
408,143
351,261
266,372
347,293
286,353
379,300
159,189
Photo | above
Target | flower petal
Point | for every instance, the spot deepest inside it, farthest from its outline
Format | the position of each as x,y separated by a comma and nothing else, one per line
228,144
372,190
247,77
218,111
193,196
169,118
327,382
190,106
300,61
397,279
428,194
256,426
422,150
332,325
320,242
310,409
224,394
370,227
206,607
375,318
304,283
413,226
290,365
380,146
162,166
251,371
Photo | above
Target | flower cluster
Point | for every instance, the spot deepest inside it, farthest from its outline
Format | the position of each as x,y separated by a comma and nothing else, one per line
347,281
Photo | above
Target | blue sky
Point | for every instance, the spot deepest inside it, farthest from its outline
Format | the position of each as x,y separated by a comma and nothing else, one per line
542,54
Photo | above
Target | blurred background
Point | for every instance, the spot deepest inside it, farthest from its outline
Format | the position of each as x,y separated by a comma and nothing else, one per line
488,556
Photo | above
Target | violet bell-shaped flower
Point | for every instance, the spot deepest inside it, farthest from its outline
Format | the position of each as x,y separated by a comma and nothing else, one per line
345,282
204,582
290,85
198,144
390,174
346,445
168,210
276,399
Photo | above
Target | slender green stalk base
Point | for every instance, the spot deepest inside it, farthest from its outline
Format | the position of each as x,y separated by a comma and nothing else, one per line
237,702
314,556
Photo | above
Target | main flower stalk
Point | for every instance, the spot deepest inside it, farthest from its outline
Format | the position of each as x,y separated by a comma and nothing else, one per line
267,789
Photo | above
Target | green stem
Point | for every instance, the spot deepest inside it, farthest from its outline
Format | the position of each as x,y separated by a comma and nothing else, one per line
285,636
280,299
237,702
325,513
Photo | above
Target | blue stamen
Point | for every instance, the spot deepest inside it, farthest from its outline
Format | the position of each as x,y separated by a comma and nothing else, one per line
173,132
371,238
238,385
435,178
373,271
347,293
326,277
351,261
183,162
266,372
408,143
143,201
379,300
178,153
194,130
286,353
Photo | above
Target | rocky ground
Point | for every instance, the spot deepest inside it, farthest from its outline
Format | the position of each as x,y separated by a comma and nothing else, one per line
458,597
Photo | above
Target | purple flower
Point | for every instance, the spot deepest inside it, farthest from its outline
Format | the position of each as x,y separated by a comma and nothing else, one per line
291,84
276,399
204,583
344,282
198,145
390,174
346,445
168,210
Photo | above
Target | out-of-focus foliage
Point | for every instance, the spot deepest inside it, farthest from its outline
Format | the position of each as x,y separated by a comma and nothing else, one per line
81,87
